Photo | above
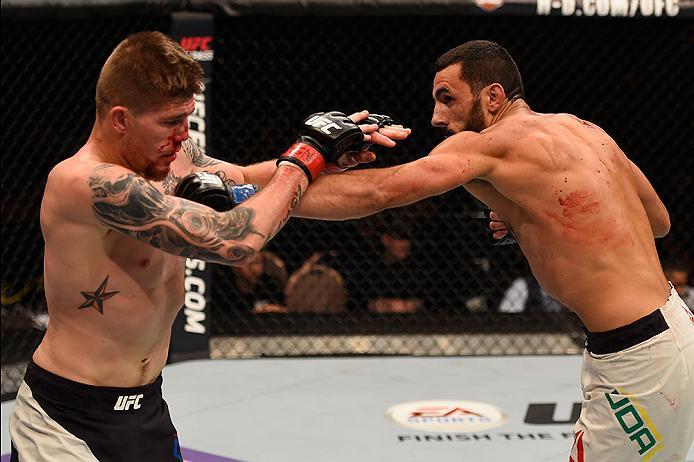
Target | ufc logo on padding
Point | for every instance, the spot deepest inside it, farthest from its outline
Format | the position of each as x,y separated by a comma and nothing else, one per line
323,123
124,402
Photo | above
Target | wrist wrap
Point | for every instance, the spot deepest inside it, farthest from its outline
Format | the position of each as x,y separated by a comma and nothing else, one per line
306,157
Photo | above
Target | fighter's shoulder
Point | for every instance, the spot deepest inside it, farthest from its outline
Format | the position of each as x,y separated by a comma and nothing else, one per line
67,195
72,186
489,143
71,176
578,120
520,136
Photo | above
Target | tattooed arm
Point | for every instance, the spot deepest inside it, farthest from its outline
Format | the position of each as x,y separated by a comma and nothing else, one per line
126,202
259,174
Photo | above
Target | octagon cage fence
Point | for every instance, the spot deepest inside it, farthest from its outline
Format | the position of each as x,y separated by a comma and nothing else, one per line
419,280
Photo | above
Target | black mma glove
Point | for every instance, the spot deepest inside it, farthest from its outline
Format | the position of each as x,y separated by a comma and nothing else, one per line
485,218
323,139
347,160
381,120
209,189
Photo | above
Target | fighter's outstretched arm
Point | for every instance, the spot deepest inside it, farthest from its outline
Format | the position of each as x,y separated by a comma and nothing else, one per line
127,203
260,173
456,161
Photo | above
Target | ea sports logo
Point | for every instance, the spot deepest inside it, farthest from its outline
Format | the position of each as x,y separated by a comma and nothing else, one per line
447,416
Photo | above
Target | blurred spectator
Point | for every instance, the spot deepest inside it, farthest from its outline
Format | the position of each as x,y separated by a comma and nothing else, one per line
389,282
678,274
525,295
25,304
316,288
259,286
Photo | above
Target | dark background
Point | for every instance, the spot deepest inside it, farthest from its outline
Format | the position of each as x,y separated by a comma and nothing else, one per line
633,77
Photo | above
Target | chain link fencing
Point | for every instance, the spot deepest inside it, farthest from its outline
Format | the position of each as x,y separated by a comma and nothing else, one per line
418,280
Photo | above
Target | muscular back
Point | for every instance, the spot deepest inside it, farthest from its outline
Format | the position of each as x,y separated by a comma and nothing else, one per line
571,197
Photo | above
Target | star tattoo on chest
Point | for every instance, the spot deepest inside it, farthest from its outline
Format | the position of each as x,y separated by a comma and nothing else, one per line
96,299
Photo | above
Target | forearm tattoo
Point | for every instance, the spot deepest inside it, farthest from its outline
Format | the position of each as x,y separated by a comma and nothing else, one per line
132,206
225,178
197,157
292,206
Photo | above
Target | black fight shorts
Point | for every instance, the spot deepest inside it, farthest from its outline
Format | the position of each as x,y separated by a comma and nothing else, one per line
55,419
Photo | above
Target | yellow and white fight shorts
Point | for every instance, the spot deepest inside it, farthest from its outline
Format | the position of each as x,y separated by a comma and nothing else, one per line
638,390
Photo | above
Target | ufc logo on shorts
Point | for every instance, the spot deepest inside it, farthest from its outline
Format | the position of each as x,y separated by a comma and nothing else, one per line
323,123
125,401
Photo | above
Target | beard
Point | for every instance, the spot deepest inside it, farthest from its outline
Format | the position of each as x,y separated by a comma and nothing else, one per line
147,169
152,173
475,117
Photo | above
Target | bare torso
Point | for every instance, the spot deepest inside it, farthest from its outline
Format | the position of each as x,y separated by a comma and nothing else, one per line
567,192
115,334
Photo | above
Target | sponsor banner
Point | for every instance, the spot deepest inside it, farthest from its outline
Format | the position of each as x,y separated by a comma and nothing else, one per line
613,8
456,422
34,9
199,47
190,337
497,437
590,8
447,416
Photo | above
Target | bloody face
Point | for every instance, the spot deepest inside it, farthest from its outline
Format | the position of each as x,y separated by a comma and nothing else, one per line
155,136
